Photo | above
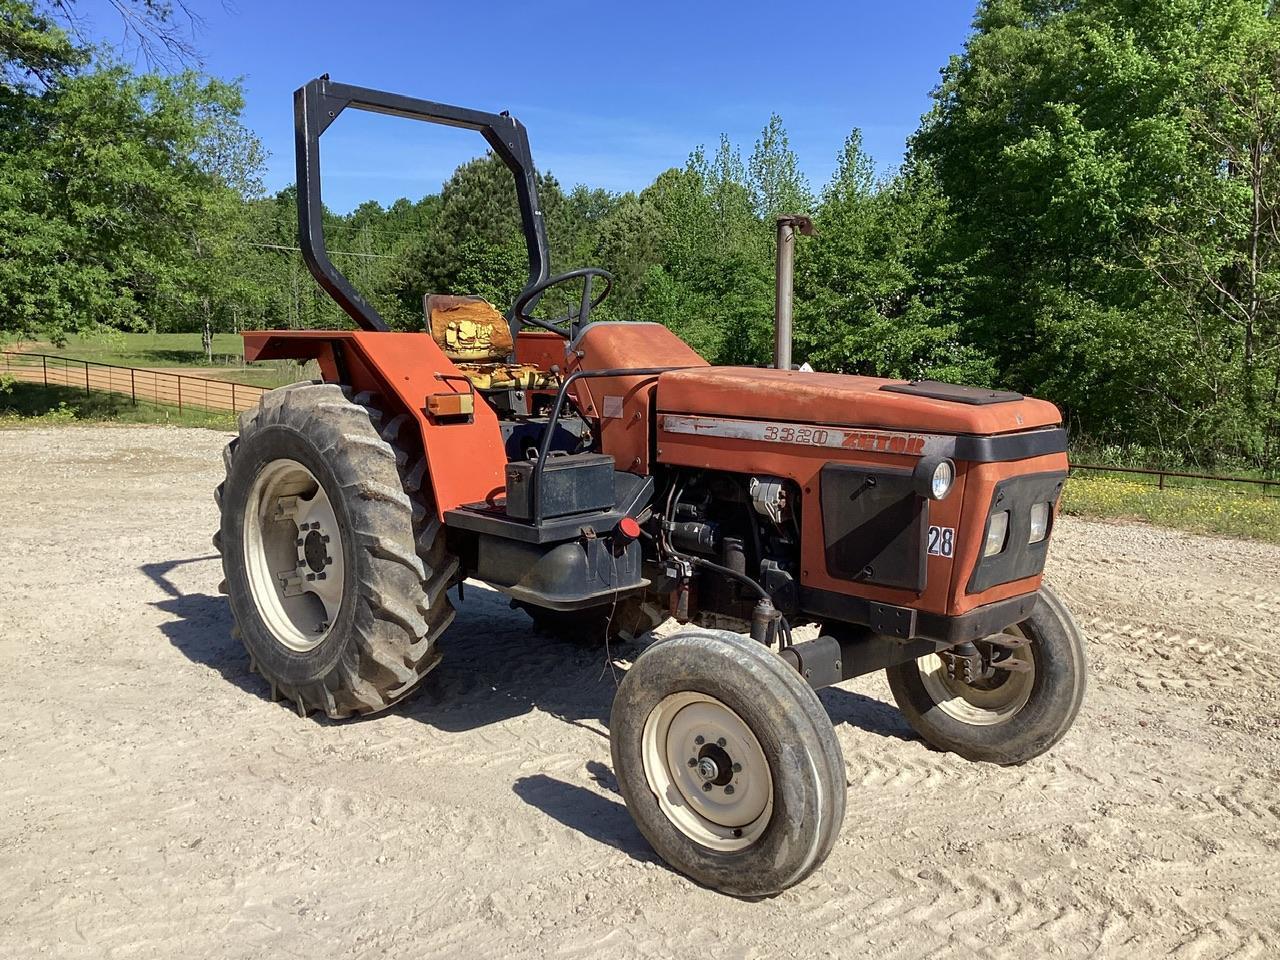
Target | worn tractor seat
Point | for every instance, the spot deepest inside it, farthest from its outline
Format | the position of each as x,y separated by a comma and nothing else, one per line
477,338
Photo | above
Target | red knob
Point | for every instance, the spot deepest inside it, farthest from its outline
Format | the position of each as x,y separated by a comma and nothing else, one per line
628,528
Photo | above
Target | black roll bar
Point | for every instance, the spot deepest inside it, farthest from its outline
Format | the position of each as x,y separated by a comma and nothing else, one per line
318,104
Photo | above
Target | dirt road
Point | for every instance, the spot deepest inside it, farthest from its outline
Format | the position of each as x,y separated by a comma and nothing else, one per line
155,803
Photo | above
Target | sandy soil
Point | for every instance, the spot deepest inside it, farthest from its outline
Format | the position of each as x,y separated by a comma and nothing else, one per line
155,803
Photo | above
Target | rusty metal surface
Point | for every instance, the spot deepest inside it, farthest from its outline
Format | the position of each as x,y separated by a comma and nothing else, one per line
831,399
623,404
465,460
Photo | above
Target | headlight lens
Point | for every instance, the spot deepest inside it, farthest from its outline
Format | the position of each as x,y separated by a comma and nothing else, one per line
996,533
944,474
1039,522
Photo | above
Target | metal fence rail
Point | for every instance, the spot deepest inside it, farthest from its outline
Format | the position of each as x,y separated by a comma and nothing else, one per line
1161,475
139,384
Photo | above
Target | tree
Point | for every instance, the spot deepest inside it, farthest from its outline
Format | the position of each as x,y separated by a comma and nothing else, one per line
118,192
1098,157
777,185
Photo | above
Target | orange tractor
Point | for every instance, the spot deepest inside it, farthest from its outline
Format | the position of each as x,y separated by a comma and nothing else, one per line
606,478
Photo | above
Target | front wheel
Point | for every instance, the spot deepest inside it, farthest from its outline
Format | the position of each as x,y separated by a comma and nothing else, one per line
1015,699
728,762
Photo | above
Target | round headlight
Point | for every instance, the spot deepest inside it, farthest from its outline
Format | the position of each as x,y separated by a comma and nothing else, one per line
934,477
943,476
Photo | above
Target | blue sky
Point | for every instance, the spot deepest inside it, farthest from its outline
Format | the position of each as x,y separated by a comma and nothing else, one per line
612,94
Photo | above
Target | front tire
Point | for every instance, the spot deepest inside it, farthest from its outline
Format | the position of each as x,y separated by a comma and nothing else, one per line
1014,715
728,763
334,567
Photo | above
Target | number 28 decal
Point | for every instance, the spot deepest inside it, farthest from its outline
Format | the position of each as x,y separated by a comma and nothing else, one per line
942,541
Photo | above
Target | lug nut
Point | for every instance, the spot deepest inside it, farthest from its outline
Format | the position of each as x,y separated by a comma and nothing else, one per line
721,742
728,788
693,761
737,768
706,787
699,740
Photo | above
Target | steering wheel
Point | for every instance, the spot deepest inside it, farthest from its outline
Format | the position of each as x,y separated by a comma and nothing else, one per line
567,325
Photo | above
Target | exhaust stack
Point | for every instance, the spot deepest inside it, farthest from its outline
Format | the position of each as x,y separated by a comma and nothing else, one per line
788,224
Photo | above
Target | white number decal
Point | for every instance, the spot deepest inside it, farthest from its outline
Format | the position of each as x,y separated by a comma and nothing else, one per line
942,541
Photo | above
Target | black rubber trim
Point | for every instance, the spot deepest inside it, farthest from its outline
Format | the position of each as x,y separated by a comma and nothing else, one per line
1019,558
977,623
952,392
1011,446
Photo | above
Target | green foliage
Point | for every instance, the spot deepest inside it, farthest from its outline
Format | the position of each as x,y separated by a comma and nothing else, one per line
1113,177
121,194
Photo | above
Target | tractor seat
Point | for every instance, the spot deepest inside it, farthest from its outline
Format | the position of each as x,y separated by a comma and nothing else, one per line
477,338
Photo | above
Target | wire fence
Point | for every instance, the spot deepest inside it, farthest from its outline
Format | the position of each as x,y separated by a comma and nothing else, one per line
1176,479
139,384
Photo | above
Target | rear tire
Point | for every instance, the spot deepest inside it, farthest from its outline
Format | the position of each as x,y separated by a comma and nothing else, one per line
342,616
767,808
1014,717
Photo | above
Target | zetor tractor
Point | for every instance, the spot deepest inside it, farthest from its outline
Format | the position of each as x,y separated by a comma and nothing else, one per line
606,478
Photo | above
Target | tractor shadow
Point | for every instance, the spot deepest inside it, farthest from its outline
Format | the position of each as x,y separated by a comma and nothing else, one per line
201,630
865,713
603,819
496,667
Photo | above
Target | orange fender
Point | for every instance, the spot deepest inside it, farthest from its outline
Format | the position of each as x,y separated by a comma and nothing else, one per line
466,458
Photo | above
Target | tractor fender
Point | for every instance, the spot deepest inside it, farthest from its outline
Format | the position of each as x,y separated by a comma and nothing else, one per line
465,456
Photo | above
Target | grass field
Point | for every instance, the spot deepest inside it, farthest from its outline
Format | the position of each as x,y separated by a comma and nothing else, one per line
1228,509
174,350
33,404
145,349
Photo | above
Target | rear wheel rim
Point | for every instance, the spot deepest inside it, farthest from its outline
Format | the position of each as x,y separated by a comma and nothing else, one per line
293,555
707,771
981,705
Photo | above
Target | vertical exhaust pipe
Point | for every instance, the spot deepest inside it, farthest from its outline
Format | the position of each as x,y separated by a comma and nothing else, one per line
788,224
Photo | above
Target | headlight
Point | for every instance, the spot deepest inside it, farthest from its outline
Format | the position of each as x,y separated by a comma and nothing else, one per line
996,533
934,477
1039,522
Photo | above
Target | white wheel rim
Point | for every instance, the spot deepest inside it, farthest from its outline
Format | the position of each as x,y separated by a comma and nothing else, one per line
293,555
725,812
973,704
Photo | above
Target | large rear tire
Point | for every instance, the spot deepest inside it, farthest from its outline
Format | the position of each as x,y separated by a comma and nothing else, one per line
1012,716
335,565
728,762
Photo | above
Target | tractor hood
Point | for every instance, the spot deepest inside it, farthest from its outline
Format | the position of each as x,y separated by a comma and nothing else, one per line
832,399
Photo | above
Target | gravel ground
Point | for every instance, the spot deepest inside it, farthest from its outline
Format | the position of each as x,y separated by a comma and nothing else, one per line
155,803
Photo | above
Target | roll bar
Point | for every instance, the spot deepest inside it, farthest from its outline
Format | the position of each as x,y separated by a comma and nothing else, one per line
318,104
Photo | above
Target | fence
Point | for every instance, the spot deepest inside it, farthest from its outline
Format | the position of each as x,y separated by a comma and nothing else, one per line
138,384
1163,475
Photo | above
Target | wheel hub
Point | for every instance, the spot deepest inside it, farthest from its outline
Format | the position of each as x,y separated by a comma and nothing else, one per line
707,771
315,551
293,554
987,692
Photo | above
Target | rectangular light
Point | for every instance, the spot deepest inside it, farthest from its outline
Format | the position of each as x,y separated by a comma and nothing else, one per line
1039,522
997,530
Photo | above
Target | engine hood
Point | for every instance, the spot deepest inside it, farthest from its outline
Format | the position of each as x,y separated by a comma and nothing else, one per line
832,399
